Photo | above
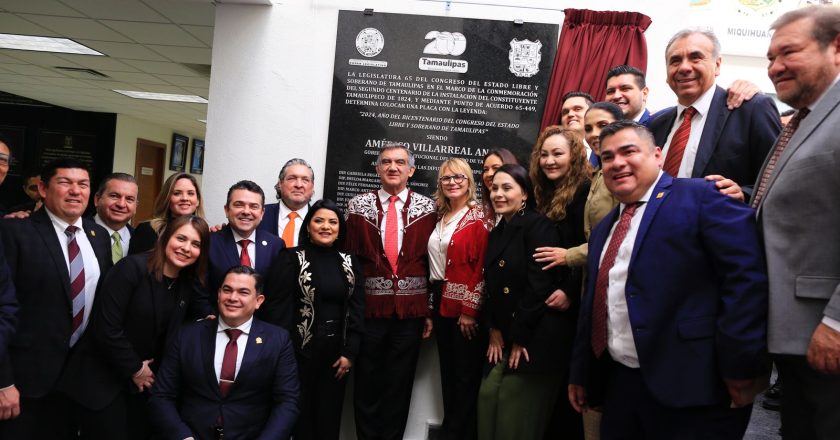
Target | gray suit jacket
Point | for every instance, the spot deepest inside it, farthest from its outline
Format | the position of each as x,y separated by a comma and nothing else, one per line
799,217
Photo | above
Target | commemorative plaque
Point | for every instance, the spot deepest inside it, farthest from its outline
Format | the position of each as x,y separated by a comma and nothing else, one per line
444,87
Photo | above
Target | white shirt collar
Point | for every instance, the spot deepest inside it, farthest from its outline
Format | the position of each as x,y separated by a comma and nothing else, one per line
102,223
646,197
61,224
245,327
702,103
384,196
237,238
284,210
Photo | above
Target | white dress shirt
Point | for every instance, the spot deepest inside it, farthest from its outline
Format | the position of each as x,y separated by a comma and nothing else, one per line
252,246
283,219
222,341
125,234
439,244
620,341
702,106
384,199
88,258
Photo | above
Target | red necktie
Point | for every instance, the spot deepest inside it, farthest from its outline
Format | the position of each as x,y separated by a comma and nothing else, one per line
244,258
599,306
289,231
77,282
228,373
391,237
784,138
678,143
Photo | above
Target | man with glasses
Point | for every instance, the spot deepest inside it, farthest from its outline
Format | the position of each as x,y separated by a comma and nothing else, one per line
295,186
388,230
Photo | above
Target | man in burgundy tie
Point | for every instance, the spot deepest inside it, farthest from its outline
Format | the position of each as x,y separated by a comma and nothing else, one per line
56,259
701,136
241,241
796,200
388,230
234,377
672,330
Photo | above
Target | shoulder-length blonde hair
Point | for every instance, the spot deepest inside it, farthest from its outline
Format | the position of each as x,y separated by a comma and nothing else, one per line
554,197
161,213
459,166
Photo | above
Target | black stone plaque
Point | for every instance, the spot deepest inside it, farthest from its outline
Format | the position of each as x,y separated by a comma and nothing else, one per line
59,144
443,86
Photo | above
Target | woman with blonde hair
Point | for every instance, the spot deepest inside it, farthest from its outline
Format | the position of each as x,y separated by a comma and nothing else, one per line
179,196
456,258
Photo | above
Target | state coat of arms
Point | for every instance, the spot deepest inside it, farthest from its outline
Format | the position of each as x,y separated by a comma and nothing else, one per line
525,57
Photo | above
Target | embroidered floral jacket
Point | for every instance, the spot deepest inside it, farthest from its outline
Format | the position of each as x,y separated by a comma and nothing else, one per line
404,293
463,284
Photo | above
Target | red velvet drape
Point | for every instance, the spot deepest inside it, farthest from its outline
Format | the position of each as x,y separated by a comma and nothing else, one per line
591,43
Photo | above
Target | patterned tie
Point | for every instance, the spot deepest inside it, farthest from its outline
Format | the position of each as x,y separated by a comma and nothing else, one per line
678,143
391,237
77,282
599,307
116,247
289,231
228,373
784,138
244,258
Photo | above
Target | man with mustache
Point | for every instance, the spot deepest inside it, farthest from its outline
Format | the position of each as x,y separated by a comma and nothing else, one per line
797,212
295,186
116,204
240,241
701,136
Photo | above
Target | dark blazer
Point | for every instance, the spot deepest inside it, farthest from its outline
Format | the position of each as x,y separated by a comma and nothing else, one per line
263,403
8,307
143,238
696,296
271,220
288,306
224,254
516,288
125,330
646,118
40,347
734,143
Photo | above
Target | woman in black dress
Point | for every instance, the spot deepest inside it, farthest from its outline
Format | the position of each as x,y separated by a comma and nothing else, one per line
143,301
179,196
317,293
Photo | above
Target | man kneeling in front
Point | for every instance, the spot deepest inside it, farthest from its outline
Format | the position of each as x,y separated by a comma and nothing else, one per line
234,377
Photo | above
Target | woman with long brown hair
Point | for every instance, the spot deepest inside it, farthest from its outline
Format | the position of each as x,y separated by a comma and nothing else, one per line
179,196
494,159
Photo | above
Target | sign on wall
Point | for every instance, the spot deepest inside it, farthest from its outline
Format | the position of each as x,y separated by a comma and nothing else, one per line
444,87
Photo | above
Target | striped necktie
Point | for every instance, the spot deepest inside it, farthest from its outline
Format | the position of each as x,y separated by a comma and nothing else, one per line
77,282
784,138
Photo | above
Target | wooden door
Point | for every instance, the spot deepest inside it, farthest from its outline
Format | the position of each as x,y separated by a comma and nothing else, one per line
149,163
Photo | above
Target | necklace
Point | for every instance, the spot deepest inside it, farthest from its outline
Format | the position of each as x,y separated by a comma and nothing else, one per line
171,283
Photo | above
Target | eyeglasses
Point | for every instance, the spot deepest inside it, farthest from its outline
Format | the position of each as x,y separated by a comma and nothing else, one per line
458,178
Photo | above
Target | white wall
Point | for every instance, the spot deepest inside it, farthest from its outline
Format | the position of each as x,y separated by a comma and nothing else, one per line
271,85
129,129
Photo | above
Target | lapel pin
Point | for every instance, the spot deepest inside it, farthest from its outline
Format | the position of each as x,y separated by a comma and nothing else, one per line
259,340
264,243
660,195
92,233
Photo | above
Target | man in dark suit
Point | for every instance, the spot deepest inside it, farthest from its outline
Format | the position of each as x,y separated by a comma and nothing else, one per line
627,88
295,186
796,199
56,260
116,204
701,136
241,241
673,322
235,377
8,322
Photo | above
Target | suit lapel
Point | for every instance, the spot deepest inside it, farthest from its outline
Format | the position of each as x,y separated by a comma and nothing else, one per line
253,350
826,106
664,128
230,249
715,121
263,251
660,193
45,228
496,246
208,355
100,243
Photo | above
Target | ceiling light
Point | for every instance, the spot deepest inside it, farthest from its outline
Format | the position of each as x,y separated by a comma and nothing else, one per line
203,121
44,44
163,96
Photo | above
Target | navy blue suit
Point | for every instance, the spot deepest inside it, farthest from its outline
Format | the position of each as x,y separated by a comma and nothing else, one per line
224,254
696,296
646,118
270,219
734,143
262,404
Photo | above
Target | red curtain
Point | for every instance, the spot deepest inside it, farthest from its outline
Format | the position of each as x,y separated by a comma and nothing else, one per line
591,43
